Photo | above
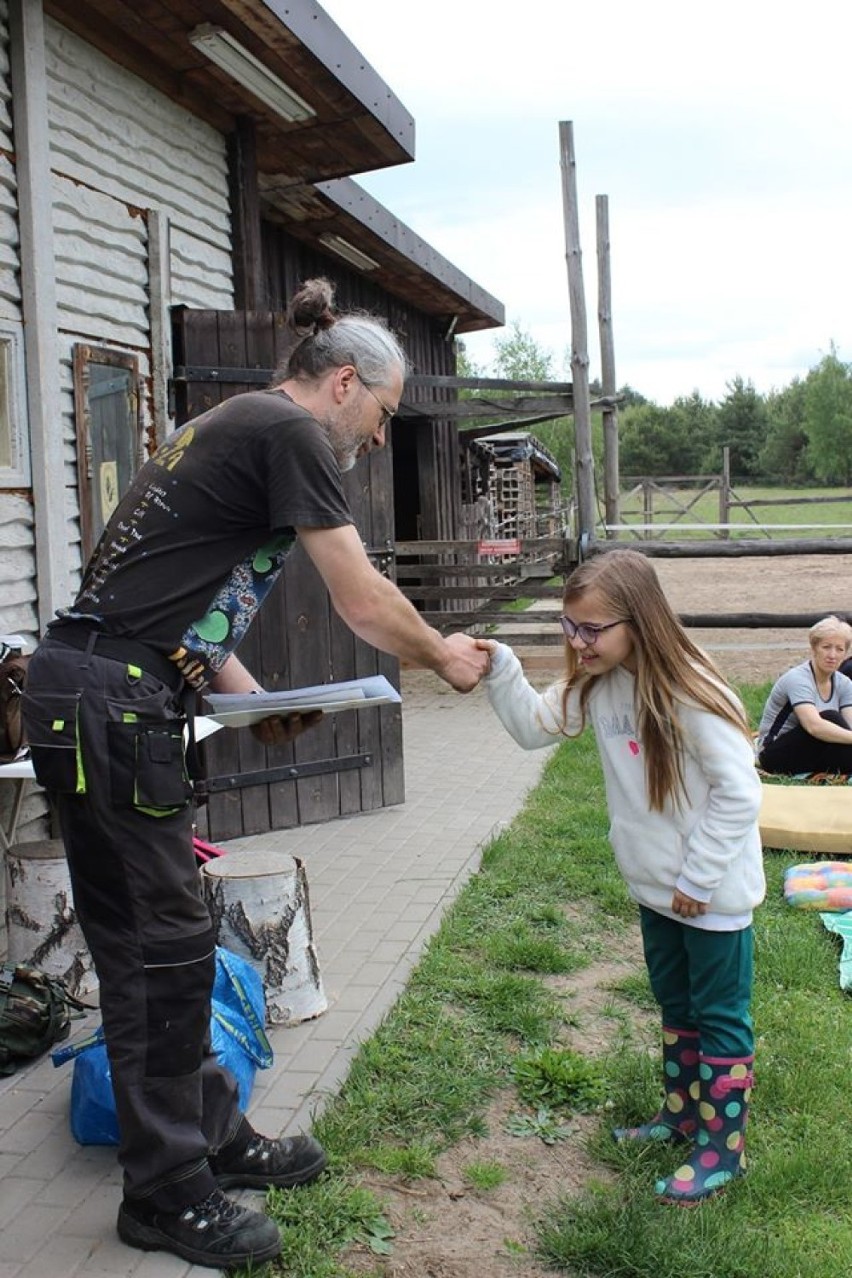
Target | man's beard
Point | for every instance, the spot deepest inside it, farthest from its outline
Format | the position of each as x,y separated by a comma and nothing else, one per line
346,441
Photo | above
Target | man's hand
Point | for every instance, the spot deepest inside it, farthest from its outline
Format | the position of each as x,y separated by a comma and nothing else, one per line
279,729
466,663
686,906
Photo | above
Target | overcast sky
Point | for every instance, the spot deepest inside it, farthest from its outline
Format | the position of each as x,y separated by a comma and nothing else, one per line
721,134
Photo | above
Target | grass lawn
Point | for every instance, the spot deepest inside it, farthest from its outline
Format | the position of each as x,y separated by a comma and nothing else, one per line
479,1015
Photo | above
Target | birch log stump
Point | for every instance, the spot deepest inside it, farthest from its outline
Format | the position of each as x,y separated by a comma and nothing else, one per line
40,918
261,910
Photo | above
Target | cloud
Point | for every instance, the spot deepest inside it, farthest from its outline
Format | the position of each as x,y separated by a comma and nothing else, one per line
719,136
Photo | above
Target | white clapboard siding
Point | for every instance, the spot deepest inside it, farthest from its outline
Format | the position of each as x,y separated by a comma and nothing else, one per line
101,253
17,594
10,292
114,133
120,148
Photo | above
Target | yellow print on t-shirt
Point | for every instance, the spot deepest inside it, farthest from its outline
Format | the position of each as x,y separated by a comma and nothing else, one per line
170,453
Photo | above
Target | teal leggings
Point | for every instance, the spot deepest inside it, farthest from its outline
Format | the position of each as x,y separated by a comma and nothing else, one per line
702,981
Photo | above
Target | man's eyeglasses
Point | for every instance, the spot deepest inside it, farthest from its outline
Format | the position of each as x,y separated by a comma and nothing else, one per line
387,413
588,633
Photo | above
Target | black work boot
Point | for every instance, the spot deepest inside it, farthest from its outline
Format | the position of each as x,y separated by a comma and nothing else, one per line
214,1232
259,1162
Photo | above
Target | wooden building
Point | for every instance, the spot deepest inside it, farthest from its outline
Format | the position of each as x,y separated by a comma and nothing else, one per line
169,171
512,487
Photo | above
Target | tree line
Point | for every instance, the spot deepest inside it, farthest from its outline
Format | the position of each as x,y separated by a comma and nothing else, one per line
798,436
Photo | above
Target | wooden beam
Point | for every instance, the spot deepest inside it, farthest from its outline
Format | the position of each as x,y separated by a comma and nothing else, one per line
583,459
250,292
734,549
612,486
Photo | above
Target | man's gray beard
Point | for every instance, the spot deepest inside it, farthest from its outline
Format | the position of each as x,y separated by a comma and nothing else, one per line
345,454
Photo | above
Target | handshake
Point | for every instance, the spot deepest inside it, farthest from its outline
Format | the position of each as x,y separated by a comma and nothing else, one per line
468,661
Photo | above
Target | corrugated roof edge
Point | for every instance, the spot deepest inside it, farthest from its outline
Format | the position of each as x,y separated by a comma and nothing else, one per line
324,38
373,216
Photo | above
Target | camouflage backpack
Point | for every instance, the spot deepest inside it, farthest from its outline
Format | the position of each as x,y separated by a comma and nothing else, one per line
34,1013
13,674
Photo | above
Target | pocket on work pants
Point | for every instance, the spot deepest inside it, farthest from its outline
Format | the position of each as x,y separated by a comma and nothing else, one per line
147,766
52,725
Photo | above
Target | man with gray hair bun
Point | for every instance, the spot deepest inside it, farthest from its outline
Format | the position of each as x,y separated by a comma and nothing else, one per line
182,567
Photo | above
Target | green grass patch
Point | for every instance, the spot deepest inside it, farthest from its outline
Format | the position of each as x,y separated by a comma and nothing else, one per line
484,1176
560,1079
480,1016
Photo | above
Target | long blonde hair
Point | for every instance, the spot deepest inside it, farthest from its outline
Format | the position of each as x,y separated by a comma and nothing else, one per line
670,669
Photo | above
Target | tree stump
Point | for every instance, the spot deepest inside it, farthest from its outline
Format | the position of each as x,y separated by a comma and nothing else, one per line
40,917
261,910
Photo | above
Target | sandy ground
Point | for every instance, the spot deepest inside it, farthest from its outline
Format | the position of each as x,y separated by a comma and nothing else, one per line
817,584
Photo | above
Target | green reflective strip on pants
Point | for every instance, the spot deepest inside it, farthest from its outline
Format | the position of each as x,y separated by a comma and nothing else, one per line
80,787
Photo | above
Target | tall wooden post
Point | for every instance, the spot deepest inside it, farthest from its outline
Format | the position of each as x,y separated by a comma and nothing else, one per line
583,460
725,492
647,506
610,411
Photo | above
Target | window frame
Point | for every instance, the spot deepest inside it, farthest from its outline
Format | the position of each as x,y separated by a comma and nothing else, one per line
84,354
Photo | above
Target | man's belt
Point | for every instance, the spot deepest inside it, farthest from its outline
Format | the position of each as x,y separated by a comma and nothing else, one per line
79,635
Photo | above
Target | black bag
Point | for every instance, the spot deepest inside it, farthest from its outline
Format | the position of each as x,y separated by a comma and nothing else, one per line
13,674
35,1013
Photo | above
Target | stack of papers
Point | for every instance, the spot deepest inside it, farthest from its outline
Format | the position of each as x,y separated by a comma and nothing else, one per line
239,709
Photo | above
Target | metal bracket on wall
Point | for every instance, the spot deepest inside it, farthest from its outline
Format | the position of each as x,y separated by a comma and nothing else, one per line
383,558
289,772
206,373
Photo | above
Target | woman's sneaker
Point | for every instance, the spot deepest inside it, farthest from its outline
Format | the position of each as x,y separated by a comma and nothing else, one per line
263,1163
214,1232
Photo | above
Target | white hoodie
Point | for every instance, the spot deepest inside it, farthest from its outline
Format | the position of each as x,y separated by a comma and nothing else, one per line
708,847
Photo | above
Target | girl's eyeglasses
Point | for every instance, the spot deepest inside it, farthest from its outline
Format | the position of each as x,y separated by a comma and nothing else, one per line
588,633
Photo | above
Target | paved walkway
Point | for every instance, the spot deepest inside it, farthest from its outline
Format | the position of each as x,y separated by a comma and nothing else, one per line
380,884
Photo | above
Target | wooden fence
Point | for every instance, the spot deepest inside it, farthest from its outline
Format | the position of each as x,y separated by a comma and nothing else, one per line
458,587
462,585
670,516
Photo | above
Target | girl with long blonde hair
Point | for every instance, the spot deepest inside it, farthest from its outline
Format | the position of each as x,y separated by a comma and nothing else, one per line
683,796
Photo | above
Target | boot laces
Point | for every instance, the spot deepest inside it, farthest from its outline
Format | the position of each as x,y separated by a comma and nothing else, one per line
216,1208
262,1149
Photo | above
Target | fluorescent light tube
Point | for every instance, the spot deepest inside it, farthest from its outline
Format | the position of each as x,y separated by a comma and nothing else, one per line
221,48
348,252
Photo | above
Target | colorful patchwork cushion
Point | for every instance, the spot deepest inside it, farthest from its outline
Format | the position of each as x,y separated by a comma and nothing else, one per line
822,885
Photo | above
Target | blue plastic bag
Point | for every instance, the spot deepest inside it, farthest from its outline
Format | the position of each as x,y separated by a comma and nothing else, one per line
237,1035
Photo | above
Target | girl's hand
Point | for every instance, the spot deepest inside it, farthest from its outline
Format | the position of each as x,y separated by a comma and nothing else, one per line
686,906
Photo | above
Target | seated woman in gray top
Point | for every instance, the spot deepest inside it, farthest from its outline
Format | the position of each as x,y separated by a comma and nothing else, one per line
806,724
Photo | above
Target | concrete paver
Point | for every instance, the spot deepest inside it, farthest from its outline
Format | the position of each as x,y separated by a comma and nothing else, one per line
380,883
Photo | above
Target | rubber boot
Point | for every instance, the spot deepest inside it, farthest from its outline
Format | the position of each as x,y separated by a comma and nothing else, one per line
718,1155
677,1118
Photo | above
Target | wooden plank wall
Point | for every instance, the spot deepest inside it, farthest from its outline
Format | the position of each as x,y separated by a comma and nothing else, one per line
297,639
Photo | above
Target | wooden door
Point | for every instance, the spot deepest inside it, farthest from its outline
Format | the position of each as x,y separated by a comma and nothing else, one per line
353,761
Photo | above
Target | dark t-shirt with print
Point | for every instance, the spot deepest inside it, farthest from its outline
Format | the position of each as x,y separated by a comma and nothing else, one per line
201,535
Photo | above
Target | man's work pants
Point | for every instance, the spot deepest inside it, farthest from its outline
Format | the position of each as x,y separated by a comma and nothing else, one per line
106,739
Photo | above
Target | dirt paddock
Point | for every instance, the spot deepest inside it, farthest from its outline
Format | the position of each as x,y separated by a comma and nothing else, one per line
818,584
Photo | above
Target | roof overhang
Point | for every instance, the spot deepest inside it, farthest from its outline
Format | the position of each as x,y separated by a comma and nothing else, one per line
396,258
357,124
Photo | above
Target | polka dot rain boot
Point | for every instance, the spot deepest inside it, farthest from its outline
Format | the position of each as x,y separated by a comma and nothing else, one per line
718,1154
677,1118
